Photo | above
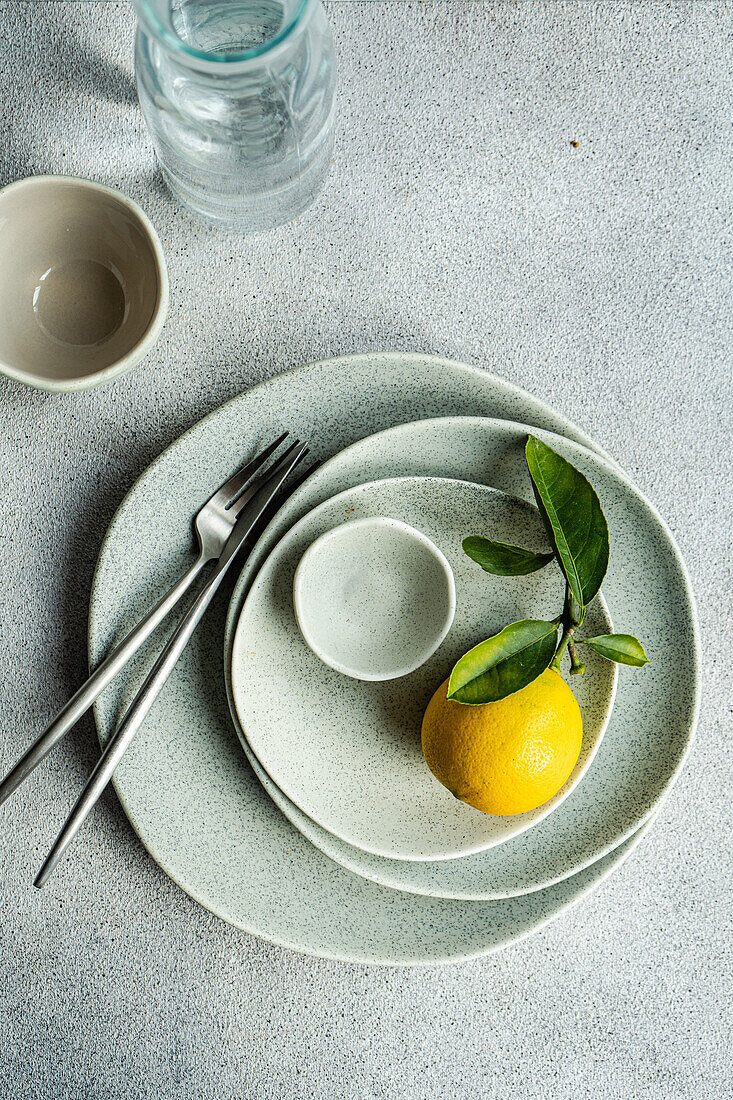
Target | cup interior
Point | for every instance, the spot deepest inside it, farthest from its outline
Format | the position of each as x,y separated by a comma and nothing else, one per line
81,281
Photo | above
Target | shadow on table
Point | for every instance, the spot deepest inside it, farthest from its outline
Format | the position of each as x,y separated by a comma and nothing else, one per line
68,62
70,67
104,77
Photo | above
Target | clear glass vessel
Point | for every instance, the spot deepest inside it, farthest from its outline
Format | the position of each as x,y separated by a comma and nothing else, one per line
238,96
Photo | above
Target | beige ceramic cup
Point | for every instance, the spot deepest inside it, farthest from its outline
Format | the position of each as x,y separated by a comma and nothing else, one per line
83,283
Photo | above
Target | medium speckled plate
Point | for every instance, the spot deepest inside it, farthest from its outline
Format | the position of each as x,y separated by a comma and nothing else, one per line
348,753
656,707
185,784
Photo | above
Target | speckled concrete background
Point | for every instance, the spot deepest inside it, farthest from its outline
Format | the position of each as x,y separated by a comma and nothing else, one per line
460,219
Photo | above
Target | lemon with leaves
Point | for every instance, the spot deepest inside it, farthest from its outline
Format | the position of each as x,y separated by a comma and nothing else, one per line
507,756
504,731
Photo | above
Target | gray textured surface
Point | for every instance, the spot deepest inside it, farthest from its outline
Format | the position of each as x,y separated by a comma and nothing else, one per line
459,219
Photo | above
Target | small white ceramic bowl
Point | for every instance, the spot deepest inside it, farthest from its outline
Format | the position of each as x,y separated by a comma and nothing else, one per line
374,598
83,283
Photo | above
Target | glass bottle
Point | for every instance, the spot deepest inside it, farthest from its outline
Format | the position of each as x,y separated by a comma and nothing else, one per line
238,96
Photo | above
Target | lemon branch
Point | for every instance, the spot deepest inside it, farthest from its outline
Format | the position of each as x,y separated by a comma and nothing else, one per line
571,619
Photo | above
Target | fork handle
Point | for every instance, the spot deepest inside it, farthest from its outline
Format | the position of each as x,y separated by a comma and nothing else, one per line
133,720
81,701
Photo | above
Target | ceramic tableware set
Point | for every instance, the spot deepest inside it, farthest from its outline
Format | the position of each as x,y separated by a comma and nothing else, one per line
279,777
348,775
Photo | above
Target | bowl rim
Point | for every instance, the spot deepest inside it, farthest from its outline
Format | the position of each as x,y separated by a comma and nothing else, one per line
153,329
427,650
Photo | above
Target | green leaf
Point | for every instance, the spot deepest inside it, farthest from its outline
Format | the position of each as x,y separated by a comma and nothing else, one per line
573,518
624,649
504,663
502,559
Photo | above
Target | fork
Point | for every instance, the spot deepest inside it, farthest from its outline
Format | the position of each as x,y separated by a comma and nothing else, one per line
213,525
250,508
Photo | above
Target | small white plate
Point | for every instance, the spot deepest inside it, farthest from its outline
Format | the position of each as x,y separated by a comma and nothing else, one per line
348,753
374,598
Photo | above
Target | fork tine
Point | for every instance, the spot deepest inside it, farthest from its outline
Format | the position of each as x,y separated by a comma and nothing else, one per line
257,483
274,479
227,493
279,499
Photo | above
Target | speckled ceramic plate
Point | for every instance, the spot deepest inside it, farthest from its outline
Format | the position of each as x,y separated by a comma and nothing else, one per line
185,784
348,753
655,708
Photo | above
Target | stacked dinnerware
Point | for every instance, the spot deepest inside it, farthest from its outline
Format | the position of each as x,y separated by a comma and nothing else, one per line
322,827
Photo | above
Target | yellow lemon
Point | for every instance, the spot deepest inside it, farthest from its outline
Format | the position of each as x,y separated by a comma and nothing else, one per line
505,757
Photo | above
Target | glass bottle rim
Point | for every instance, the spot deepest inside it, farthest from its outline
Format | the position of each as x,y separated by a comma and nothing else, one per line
152,22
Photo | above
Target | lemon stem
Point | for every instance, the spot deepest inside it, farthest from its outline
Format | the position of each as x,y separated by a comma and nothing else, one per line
577,668
569,624
567,632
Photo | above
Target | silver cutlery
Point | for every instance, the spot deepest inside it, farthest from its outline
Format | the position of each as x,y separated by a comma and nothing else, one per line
248,506
213,524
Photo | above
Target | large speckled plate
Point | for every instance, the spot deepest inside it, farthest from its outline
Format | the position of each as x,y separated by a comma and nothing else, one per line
185,785
647,593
